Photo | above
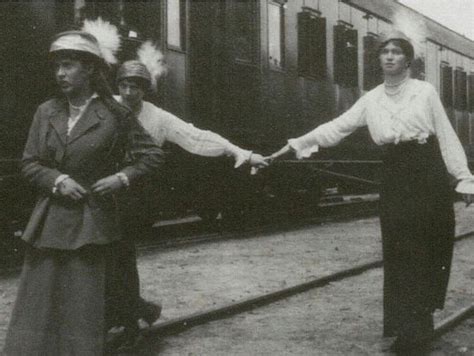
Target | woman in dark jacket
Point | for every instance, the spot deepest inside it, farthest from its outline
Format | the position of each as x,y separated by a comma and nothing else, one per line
406,117
75,156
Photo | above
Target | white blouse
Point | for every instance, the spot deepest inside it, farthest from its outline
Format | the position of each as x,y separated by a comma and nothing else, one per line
415,115
164,126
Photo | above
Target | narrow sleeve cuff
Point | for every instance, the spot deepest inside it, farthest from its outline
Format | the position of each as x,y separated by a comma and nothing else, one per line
465,186
241,157
123,178
58,181
301,150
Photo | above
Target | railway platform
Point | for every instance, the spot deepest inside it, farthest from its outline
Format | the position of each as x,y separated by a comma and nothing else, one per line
197,277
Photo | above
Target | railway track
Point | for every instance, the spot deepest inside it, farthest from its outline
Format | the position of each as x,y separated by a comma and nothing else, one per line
344,208
181,324
194,231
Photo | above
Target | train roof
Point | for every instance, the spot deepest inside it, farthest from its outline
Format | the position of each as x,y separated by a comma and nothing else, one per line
438,33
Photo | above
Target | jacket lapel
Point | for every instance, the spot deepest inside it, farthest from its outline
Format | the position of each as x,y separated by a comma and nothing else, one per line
87,121
58,119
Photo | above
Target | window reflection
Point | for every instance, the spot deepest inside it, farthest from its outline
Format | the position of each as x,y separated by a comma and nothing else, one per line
135,19
276,34
175,14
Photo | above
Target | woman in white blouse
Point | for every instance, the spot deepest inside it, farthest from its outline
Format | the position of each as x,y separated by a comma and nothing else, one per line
134,80
406,117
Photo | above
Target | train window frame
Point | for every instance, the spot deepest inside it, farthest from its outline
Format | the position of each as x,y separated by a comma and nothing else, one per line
447,91
460,89
372,72
121,13
470,95
344,74
310,65
281,31
253,57
179,23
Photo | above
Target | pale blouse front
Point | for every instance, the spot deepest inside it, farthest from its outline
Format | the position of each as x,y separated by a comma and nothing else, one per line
164,126
415,115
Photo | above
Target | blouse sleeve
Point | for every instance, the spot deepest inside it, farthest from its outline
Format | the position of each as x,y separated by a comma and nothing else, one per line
450,146
201,142
332,132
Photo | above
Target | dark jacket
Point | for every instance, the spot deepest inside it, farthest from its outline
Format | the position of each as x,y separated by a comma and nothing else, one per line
92,151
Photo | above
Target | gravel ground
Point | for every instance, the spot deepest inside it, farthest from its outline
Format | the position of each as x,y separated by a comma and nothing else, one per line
343,318
198,277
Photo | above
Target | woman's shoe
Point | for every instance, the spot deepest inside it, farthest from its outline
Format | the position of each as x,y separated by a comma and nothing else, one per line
405,344
148,311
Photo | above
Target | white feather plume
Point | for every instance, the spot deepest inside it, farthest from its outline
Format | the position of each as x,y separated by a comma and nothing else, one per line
414,26
154,61
107,35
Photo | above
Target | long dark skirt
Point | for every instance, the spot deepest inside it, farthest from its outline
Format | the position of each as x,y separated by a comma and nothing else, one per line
66,302
417,220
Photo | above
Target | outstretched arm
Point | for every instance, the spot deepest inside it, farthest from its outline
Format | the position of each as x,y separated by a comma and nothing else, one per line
206,143
328,134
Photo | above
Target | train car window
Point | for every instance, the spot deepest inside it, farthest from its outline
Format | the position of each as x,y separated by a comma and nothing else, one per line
176,24
460,89
446,85
372,70
276,34
140,19
311,44
245,31
345,56
471,92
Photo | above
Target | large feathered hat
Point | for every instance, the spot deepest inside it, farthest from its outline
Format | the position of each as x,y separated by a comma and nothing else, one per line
98,38
400,36
409,27
150,65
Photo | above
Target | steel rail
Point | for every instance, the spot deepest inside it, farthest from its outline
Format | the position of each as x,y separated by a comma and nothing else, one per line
180,324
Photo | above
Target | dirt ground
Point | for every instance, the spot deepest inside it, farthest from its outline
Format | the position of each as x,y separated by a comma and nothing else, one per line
343,318
199,277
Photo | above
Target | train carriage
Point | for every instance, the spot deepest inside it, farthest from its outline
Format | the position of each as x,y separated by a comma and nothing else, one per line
257,72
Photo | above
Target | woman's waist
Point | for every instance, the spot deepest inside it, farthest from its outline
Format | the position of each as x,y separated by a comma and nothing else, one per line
413,153
426,145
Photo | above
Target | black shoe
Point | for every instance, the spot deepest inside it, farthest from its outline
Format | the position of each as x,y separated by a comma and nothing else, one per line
130,341
123,341
148,311
407,345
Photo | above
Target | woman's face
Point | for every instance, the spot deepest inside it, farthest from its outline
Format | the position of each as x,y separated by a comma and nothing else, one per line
392,59
72,76
131,92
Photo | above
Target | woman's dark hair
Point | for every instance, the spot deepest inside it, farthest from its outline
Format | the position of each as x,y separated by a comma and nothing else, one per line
404,45
141,82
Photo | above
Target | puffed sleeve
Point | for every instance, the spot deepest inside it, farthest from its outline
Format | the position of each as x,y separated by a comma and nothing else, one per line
201,142
33,166
332,132
451,149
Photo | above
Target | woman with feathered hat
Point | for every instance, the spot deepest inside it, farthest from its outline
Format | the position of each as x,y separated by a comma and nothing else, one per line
75,157
134,79
405,116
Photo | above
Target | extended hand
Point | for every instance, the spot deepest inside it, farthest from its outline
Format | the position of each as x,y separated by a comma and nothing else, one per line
468,199
257,160
71,189
107,185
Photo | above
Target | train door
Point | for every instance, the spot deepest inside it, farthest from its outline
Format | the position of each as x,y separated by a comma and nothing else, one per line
26,81
224,87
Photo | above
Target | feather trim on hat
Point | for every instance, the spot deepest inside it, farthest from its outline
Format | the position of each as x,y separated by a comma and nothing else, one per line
107,35
154,61
414,26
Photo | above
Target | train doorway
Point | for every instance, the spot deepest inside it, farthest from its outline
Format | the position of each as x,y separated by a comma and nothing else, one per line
224,92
